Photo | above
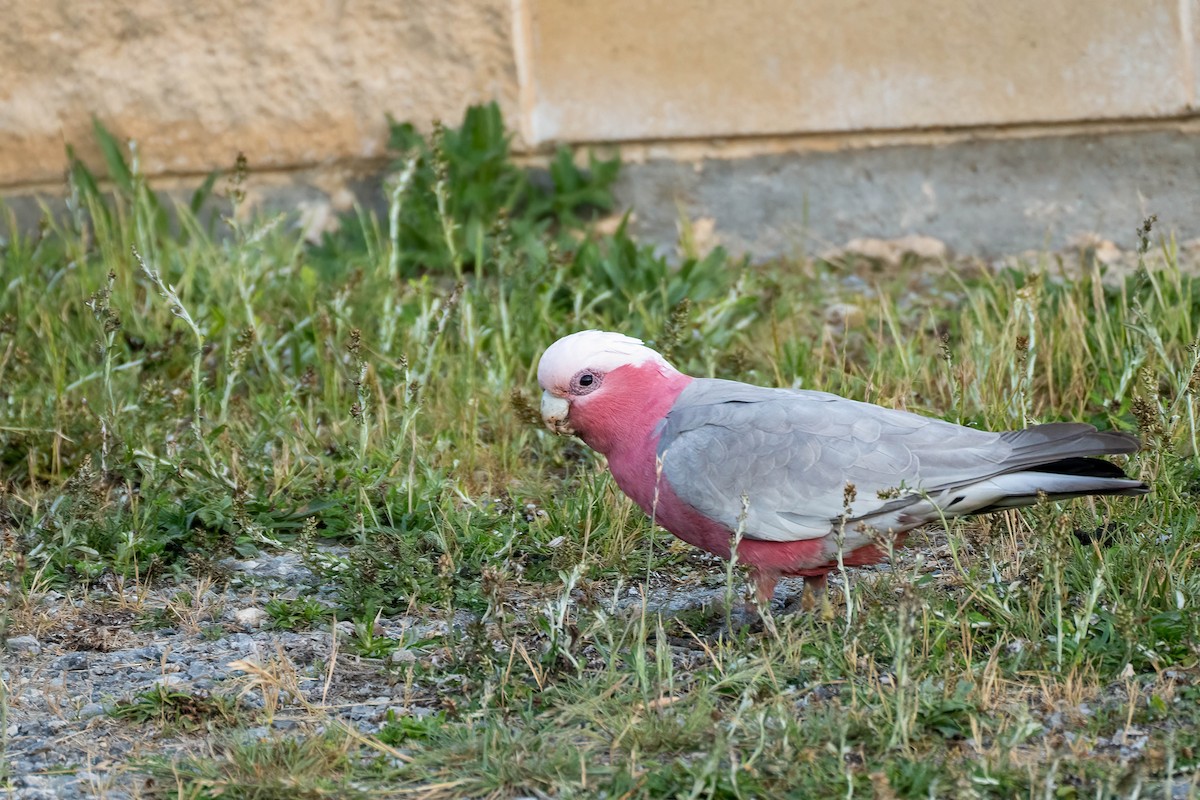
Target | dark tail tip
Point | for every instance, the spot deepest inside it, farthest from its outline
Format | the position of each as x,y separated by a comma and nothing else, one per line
1089,467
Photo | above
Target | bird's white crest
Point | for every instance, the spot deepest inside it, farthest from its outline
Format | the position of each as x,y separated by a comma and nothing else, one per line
603,351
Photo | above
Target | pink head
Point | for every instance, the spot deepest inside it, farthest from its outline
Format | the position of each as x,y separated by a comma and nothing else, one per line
607,388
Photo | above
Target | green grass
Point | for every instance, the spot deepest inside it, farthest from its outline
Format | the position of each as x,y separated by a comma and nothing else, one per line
174,391
182,710
319,766
293,615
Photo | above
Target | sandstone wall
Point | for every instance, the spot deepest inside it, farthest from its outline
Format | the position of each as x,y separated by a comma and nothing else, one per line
296,84
684,86
630,69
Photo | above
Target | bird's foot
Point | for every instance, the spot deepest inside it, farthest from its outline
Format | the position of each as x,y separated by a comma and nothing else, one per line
813,600
826,612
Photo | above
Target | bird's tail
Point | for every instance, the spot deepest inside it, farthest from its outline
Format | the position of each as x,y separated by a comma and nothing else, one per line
1059,441
1016,489
1053,461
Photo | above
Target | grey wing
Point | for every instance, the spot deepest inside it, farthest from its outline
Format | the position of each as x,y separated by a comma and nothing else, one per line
777,462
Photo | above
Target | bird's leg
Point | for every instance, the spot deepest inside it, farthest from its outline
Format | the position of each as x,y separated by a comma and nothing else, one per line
756,610
816,595
764,593
764,587
814,591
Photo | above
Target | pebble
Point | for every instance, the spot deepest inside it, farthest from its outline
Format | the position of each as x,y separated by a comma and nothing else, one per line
240,641
70,661
91,710
364,712
149,653
23,645
200,669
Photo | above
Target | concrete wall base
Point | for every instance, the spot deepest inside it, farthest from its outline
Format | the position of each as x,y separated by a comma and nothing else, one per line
979,196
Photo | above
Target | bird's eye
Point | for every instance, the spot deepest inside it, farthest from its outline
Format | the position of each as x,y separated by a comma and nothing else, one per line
585,382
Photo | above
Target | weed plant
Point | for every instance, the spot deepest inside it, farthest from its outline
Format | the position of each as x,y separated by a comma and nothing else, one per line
176,389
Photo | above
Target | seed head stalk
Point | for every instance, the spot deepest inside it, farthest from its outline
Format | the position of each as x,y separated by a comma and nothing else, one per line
362,414
101,305
849,495
178,309
395,205
731,567
441,191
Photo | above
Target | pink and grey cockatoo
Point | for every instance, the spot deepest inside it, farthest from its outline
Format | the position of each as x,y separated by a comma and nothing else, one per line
710,459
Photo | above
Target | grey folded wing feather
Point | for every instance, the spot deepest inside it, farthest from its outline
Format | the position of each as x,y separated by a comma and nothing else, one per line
776,462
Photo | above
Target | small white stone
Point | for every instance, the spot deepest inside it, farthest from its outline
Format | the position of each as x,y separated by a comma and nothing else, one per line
403,657
170,680
250,617
843,316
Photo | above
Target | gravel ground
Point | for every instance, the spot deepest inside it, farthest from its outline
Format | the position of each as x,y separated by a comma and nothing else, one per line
76,661
88,657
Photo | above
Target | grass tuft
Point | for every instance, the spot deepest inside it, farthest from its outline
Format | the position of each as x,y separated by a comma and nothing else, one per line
181,710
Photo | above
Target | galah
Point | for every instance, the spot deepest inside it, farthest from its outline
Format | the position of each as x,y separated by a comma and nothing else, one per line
794,475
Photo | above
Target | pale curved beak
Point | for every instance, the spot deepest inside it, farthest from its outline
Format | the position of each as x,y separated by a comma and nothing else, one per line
554,414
